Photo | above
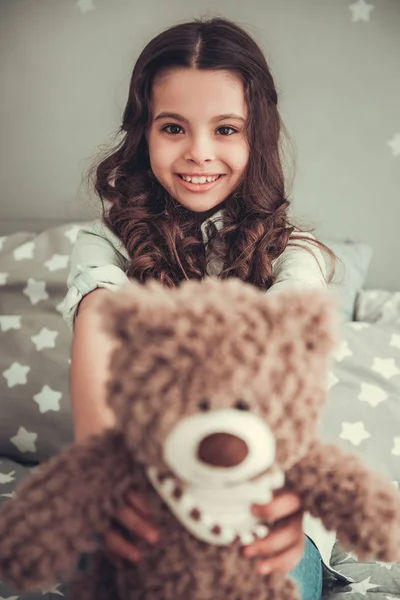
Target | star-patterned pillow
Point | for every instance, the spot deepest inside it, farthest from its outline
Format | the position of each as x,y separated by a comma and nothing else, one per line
377,580
35,344
363,412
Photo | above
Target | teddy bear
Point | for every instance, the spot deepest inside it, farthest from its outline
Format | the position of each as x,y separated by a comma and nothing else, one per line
217,390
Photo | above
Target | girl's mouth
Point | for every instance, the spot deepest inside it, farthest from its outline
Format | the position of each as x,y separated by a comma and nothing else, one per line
200,184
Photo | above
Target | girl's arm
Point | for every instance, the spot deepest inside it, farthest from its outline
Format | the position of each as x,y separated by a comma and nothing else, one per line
301,266
98,264
90,356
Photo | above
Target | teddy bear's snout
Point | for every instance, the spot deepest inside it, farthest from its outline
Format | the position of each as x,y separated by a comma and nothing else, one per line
222,450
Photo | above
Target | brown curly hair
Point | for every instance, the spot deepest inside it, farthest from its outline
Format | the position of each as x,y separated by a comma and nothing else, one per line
162,237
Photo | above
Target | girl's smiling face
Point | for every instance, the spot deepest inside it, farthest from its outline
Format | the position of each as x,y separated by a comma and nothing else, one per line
198,131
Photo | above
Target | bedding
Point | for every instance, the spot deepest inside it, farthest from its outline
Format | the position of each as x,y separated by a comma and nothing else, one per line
362,414
351,269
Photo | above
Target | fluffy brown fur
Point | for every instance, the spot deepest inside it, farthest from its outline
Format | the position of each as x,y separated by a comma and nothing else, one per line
228,343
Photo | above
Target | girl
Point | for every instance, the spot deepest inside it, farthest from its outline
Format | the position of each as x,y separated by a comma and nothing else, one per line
195,188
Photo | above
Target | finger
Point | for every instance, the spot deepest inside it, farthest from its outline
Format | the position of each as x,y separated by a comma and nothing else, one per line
135,523
282,506
278,540
117,544
138,502
284,562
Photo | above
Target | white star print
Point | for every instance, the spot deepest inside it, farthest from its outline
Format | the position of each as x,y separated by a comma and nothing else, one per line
396,446
25,251
342,351
36,291
372,394
24,440
3,278
57,262
10,322
16,374
2,240
394,143
385,366
349,556
362,587
48,399
85,5
332,380
60,307
354,432
11,495
361,10
54,590
395,340
386,565
7,477
72,233
45,339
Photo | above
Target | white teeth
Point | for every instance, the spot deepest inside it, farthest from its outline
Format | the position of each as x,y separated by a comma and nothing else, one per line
199,179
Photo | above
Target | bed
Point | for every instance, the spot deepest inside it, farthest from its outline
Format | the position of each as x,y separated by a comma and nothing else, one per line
363,412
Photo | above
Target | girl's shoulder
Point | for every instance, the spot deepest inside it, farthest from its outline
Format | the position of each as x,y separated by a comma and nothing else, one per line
97,234
301,263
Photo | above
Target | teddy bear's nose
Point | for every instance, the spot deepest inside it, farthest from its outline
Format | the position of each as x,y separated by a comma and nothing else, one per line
222,450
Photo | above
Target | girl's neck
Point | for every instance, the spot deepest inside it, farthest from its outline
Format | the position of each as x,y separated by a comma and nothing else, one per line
203,216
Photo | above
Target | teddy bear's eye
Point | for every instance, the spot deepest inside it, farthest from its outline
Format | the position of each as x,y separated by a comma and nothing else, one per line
204,405
242,405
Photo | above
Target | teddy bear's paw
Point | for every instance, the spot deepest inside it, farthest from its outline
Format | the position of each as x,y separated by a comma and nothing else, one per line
382,543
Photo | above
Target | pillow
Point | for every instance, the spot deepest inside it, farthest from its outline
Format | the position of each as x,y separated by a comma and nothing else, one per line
371,579
35,344
378,305
363,409
351,272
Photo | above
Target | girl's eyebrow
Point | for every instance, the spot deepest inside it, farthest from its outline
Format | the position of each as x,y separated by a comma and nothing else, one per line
177,117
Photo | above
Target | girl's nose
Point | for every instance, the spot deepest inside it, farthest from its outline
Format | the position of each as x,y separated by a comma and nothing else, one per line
200,150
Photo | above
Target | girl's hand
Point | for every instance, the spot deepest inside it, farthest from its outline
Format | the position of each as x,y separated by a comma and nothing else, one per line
136,518
283,547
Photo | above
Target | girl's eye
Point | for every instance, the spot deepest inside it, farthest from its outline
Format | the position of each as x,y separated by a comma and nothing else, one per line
226,130
172,129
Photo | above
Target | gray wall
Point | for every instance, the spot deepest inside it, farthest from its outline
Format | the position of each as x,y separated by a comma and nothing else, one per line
64,72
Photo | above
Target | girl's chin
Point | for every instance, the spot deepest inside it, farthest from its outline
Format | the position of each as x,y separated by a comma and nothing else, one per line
201,208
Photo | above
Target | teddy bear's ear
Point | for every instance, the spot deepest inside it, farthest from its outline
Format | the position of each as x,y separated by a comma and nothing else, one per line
133,305
307,316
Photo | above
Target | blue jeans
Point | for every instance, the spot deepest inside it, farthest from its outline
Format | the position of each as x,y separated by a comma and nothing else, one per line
308,573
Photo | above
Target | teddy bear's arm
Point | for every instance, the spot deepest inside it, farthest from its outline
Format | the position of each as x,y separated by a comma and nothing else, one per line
360,505
58,510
